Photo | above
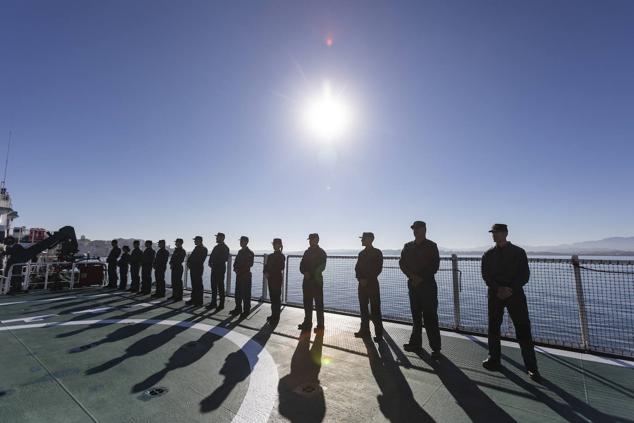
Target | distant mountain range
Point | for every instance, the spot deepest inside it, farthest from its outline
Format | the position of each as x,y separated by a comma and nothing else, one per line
614,246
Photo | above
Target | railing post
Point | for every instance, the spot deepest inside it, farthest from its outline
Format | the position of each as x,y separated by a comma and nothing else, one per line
72,276
46,276
286,280
26,277
185,276
228,276
455,274
265,280
583,316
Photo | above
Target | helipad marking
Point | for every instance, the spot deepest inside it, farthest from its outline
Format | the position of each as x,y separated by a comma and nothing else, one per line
29,319
38,301
262,391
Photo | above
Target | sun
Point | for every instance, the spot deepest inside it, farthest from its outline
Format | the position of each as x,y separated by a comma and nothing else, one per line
327,117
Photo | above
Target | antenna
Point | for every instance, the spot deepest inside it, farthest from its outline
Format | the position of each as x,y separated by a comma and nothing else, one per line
6,161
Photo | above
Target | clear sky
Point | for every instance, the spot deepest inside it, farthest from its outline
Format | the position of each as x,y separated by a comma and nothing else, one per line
159,119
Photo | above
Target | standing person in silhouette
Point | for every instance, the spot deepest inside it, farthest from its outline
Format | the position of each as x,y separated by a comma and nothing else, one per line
123,263
505,271
136,257
196,264
115,252
312,267
242,266
147,261
368,268
420,261
15,253
176,268
160,266
218,264
274,273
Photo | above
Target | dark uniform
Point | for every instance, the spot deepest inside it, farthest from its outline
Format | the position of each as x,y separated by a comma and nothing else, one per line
508,266
160,266
147,262
368,268
112,266
422,260
196,264
242,266
176,267
123,263
274,267
312,266
17,254
218,263
136,257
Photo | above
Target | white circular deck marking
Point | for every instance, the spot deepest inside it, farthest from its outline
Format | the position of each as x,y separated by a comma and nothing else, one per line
262,390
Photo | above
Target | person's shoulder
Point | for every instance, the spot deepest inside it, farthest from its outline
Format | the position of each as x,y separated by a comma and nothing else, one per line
409,244
517,248
430,243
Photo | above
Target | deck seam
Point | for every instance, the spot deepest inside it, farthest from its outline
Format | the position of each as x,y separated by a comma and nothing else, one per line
45,367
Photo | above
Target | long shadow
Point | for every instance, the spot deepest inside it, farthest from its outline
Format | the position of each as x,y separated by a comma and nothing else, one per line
301,398
468,395
83,303
592,375
236,369
140,347
111,321
572,410
396,401
185,355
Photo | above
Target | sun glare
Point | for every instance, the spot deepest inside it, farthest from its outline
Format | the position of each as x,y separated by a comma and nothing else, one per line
327,117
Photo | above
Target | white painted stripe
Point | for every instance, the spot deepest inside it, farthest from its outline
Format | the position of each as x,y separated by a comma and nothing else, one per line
29,319
38,301
262,391
550,351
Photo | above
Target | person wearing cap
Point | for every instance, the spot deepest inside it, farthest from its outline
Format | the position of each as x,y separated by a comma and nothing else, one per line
274,274
160,266
420,261
123,264
115,252
242,266
136,257
146,268
176,270
218,264
196,264
505,271
312,267
368,268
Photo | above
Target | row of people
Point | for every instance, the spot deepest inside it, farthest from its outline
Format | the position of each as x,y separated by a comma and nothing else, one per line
504,269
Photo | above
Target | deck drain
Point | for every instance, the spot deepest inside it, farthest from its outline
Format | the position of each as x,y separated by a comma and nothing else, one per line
83,347
152,393
5,392
309,389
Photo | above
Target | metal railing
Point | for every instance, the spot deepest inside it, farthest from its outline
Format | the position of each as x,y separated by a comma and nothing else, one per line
39,275
580,304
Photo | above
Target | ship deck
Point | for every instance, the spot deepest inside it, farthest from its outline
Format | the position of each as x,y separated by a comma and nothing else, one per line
102,356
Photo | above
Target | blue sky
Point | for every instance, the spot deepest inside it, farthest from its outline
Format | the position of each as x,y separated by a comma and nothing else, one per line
159,119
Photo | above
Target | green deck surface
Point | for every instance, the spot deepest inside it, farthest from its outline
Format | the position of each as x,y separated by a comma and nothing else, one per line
72,371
